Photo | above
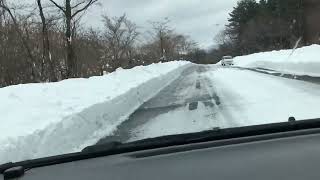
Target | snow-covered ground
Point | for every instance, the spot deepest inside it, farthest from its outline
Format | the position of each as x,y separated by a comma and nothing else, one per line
53,118
254,98
179,121
39,120
245,98
204,115
303,61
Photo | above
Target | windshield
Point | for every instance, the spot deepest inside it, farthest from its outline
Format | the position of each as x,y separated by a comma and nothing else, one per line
75,73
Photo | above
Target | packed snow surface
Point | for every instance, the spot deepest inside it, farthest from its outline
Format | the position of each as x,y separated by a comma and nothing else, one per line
54,118
253,98
47,119
301,61
245,98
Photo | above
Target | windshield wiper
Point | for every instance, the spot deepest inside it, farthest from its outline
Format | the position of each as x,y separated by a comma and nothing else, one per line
165,141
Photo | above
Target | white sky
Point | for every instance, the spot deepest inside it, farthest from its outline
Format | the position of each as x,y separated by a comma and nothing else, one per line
199,19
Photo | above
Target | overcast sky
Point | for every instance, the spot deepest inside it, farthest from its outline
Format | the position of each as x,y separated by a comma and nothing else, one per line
200,19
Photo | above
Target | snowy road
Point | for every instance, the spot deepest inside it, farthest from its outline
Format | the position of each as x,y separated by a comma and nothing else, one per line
188,104
207,97
155,100
146,102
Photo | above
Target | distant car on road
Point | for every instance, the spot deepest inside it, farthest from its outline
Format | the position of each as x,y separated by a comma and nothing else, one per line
227,61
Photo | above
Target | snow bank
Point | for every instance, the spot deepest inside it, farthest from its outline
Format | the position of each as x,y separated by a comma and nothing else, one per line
252,98
54,118
304,61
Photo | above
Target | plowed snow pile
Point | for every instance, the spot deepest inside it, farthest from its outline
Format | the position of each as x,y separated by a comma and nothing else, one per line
303,61
47,119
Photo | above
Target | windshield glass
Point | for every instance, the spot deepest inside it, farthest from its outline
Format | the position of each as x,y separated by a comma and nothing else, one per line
74,73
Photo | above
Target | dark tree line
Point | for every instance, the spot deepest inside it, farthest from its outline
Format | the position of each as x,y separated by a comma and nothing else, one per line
268,25
44,41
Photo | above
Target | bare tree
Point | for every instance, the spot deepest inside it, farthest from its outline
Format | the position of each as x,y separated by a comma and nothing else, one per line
162,30
2,13
182,45
71,11
120,35
46,54
221,37
30,60
36,46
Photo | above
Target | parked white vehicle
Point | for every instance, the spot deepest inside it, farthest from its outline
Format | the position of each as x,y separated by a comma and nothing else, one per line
227,61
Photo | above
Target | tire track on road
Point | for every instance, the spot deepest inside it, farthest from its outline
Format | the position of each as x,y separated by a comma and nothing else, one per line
172,98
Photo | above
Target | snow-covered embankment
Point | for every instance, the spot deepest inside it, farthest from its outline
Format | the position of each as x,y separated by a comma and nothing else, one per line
55,118
302,61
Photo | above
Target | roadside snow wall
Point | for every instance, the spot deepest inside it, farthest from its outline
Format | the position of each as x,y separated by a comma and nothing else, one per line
303,61
92,109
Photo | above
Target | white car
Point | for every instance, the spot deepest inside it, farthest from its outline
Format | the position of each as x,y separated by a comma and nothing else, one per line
227,61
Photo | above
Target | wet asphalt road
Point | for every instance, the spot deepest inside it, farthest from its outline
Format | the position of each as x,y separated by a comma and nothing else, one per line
190,89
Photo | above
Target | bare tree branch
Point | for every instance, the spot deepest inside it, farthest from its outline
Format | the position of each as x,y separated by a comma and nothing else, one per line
24,41
85,7
57,5
78,4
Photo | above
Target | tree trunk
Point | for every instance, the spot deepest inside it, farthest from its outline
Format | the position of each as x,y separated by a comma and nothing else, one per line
161,45
71,61
46,56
